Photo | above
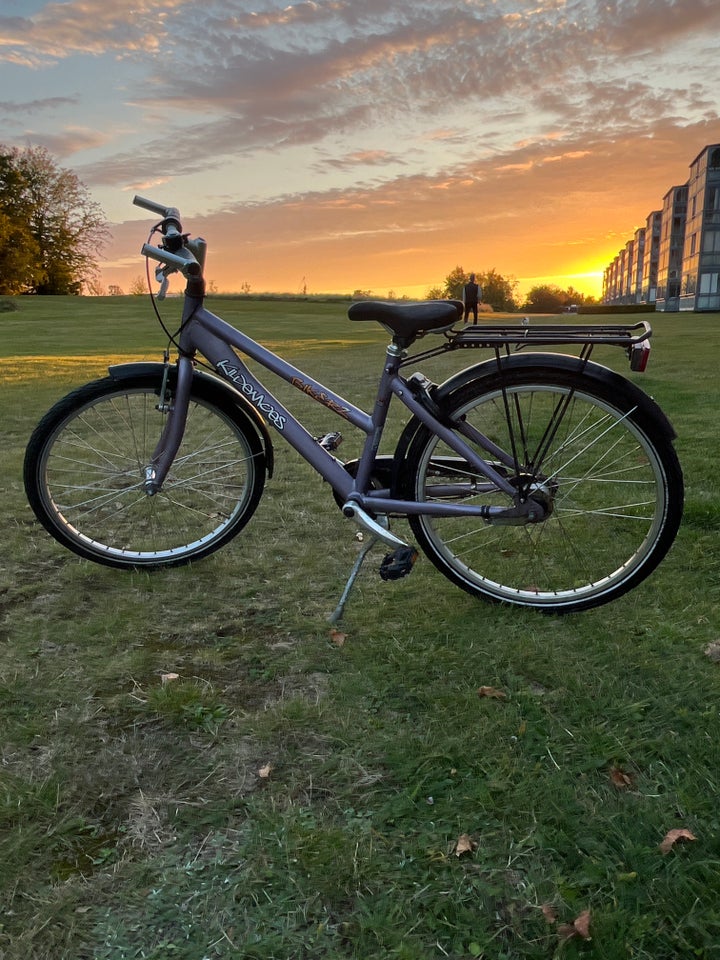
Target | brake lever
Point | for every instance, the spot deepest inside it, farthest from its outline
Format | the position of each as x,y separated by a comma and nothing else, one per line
161,277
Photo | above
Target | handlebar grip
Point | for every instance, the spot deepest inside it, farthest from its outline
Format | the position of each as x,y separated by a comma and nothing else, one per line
159,208
187,264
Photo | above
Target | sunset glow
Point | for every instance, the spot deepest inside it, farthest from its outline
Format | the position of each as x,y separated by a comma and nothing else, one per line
335,145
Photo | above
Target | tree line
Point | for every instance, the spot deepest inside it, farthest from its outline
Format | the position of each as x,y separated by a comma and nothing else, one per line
500,293
51,231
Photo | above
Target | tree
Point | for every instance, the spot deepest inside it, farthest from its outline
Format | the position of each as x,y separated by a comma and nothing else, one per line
51,231
498,291
435,293
19,257
548,298
545,298
454,283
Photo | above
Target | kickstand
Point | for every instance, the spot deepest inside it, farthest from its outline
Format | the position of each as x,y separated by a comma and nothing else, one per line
336,615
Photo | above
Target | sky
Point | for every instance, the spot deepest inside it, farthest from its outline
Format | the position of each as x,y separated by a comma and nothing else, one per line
336,145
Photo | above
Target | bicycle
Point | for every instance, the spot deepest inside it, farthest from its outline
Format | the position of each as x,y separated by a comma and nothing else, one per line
538,479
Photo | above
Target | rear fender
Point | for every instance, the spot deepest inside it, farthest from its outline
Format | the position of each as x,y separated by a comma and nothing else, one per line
594,373
211,386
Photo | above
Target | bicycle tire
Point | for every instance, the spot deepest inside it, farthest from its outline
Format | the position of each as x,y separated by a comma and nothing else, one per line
85,464
610,475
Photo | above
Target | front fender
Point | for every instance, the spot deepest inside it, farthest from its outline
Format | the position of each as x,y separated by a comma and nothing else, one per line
212,385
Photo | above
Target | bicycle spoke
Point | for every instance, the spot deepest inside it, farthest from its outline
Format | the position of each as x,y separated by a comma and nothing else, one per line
600,481
93,476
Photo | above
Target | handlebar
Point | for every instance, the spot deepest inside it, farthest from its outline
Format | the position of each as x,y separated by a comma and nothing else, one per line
167,213
183,260
176,253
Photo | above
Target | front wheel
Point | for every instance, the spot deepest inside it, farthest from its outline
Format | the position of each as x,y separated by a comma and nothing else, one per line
85,470
603,467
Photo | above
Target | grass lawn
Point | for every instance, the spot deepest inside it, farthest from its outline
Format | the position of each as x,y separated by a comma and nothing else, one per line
294,794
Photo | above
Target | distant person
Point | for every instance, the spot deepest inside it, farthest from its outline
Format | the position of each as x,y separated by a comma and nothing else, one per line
472,295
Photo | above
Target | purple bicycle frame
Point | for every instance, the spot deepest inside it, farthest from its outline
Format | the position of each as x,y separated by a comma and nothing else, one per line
214,338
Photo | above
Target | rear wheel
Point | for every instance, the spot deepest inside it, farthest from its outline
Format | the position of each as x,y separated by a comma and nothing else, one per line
604,470
85,467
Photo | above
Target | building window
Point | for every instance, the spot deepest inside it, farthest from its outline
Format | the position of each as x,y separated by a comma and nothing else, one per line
693,244
709,283
708,303
715,159
711,241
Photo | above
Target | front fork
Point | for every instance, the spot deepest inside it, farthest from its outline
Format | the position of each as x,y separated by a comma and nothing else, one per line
176,410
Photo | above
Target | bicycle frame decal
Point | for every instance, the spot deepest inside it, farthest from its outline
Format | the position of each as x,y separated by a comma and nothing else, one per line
256,398
321,397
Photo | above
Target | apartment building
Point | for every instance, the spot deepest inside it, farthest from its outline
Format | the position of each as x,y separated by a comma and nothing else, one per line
672,246
636,280
700,286
674,260
651,257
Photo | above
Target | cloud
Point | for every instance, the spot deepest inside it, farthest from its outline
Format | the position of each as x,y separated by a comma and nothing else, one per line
317,70
46,104
309,71
72,140
361,158
202,147
648,25
59,30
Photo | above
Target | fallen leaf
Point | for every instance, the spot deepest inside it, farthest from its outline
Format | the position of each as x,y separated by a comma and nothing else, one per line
465,844
673,836
580,927
168,678
337,637
582,924
264,772
712,651
491,692
620,779
549,912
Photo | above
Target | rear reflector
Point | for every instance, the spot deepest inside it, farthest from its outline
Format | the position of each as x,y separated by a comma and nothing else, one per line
639,356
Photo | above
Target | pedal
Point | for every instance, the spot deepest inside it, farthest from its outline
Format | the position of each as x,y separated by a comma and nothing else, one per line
398,564
331,441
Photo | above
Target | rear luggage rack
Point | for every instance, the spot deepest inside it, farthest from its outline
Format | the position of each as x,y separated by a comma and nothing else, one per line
634,339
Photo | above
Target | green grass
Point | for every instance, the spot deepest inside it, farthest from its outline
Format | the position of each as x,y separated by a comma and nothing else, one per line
291,797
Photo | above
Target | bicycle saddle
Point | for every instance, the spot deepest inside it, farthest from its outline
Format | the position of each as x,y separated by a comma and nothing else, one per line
409,319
